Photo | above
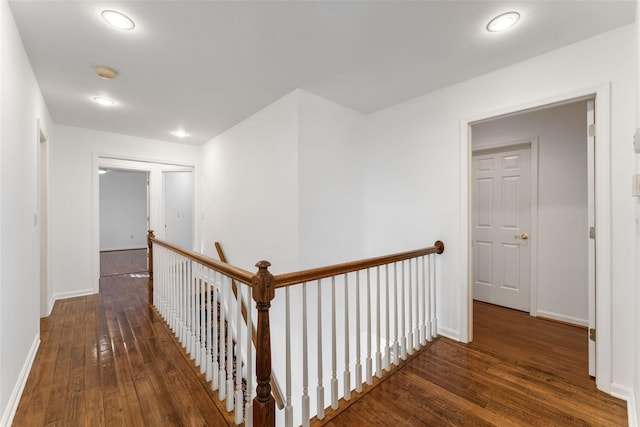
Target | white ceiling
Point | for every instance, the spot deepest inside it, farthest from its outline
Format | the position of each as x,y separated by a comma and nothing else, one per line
206,65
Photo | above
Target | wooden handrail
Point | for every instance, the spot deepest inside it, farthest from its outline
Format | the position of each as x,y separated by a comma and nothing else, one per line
289,279
263,285
277,394
234,273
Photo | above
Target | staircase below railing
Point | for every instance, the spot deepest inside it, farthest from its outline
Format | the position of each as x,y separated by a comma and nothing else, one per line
365,317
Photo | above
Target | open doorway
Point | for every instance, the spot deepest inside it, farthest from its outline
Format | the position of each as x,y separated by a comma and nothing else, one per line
531,249
124,221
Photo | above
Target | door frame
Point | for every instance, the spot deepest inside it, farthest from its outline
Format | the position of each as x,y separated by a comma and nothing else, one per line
602,99
532,144
154,192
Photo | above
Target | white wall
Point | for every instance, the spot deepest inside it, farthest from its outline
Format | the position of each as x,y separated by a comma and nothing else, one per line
74,197
636,403
286,185
250,189
416,191
562,291
21,106
123,210
331,180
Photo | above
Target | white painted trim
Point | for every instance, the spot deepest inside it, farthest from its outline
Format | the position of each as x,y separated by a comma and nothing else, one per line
72,294
52,302
564,318
532,145
626,393
449,333
602,94
16,394
141,164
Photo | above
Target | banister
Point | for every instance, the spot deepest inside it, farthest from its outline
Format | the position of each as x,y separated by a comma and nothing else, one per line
275,388
263,292
288,279
263,285
231,271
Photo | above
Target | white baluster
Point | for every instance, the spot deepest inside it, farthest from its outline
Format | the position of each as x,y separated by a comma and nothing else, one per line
222,373
416,333
358,367
239,405
288,409
334,363
204,318
180,307
369,362
410,307
320,390
228,305
215,340
305,361
423,286
428,298
434,320
195,312
173,301
378,330
396,344
209,297
347,372
403,334
387,351
184,312
249,407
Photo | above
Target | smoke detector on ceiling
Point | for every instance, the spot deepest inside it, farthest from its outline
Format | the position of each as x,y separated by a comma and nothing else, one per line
105,72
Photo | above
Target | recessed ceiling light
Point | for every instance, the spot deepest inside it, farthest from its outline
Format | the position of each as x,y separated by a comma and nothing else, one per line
103,100
102,171
118,20
503,22
180,133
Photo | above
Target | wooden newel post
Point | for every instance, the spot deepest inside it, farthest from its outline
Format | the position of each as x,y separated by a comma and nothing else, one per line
264,405
150,236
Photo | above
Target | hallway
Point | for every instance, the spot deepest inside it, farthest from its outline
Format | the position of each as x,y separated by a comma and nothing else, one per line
108,359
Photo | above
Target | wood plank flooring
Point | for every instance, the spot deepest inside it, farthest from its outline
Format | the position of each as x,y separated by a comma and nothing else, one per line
109,360
518,371
113,263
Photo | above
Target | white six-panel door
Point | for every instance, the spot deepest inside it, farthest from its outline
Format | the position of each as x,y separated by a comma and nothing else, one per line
501,225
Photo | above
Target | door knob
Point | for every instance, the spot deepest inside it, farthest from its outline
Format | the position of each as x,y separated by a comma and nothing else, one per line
523,236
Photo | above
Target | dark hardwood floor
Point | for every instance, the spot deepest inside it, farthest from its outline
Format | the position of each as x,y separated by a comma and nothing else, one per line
108,359
518,371
113,263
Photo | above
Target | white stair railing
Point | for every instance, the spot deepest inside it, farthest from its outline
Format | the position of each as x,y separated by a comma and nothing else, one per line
386,312
389,301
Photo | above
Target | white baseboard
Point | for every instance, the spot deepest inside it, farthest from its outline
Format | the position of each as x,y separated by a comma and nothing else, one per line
16,394
627,394
449,333
561,318
52,302
73,294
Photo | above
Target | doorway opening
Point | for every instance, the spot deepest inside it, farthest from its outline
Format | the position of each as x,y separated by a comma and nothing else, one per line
530,246
124,220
